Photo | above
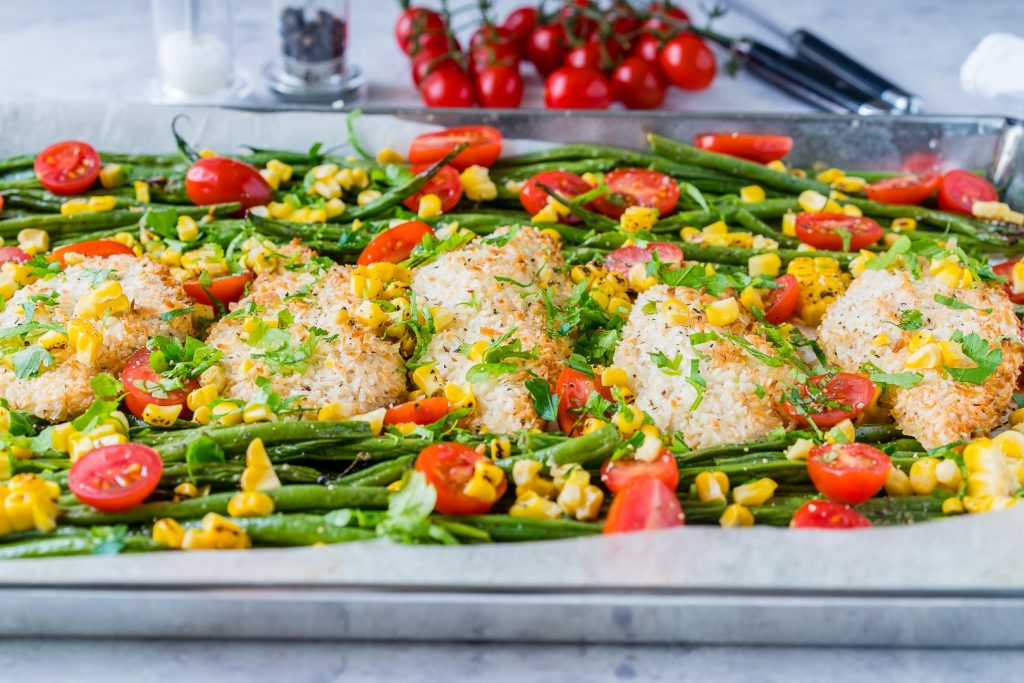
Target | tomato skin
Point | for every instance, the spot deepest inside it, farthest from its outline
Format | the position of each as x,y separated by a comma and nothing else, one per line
94,478
824,514
226,289
520,24
818,230
644,504
637,187
1004,269
493,54
445,184
427,61
447,86
217,180
137,369
846,388
664,18
848,472
499,87
546,48
448,467
483,150
621,260
958,190
91,248
422,412
573,388
571,88
394,244
749,146
648,48
688,63
596,54
569,185
414,23
637,84
13,255
618,474
904,189
67,167
781,303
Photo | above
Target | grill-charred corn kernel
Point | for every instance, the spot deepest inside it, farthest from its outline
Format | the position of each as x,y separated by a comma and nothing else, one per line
755,493
712,487
822,281
789,224
928,357
429,206
227,413
880,339
141,191
52,339
764,264
486,480
614,377
592,424
903,224
830,175
533,506
799,450
250,504
257,412
723,312
370,314
108,297
638,218
586,271
185,490
201,396
168,533
811,201
639,279
849,184
427,379
216,533
161,416
499,448
689,234
477,184
628,420
34,241
459,396
736,515
676,312
922,475
996,211
750,194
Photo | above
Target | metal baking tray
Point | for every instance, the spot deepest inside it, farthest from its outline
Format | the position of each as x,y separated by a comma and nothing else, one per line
956,582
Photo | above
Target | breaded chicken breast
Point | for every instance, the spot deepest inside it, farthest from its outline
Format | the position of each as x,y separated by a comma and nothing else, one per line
474,285
861,327
729,408
61,390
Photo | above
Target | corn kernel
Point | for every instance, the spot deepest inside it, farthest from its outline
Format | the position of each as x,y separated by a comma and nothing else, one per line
764,264
370,315
284,171
928,357
750,194
628,421
429,206
477,184
789,224
830,175
750,297
614,377
227,413
676,312
592,424
799,450
34,241
250,504
852,210
639,280
638,218
712,486
716,228
187,228
736,515
811,201
259,412
216,533
532,506
427,379
723,312
161,416
948,475
922,475
755,493
168,533
483,485
459,396
332,412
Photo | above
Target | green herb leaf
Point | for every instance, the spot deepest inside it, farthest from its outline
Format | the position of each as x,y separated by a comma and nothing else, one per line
957,304
408,515
580,364
544,402
978,350
669,366
202,450
697,382
176,313
911,320
29,361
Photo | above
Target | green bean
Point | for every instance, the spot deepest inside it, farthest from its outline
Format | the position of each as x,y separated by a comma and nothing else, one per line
769,208
16,163
759,227
503,528
79,223
70,545
570,153
299,529
581,450
942,219
379,474
740,168
518,173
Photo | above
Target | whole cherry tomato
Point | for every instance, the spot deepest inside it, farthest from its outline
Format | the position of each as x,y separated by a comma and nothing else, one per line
637,84
520,24
415,22
447,86
688,63
571,88
499,87
546,48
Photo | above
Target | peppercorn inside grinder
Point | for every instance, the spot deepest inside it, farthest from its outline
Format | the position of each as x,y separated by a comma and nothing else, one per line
310,65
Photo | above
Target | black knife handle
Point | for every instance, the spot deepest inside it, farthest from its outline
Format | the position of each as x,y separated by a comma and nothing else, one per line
813,49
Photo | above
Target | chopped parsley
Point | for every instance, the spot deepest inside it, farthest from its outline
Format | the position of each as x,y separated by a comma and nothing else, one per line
669,366
279,351
497,356
957,304
580,364
910,320
544,402
695,380
30,361
978,350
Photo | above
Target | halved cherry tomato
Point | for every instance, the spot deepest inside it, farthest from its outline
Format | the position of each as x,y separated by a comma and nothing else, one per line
824,514
67,167
908,189
822,230
114,478
572,88
394,244
483,150
226,289
637,187
780,303
91,248
621,260
959,189
141,386
573,388
749,146
1,202
617,474
568,185
14,255
852,392
218,180
423,412
848,472
645,504
448,467
446,184
1004,269
687,62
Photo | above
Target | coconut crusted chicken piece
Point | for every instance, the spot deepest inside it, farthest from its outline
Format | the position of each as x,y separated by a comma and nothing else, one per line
715,401
294,329
862,326
99,312
491,288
